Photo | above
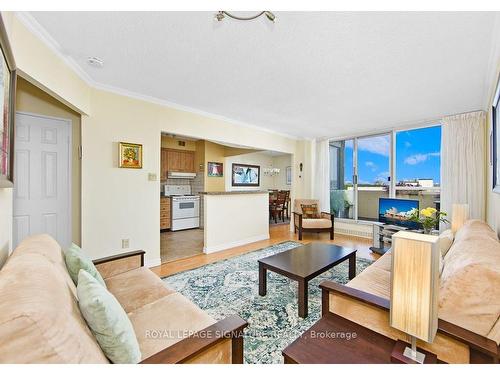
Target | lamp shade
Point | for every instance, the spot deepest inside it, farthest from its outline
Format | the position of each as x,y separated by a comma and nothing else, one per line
415,284
459,215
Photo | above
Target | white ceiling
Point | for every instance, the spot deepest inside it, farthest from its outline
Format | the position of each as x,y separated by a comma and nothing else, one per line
311,74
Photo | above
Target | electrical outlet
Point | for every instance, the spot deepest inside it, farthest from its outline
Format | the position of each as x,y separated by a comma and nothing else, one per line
152,176
125,243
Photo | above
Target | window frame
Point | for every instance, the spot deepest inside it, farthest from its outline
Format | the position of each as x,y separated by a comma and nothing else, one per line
392,161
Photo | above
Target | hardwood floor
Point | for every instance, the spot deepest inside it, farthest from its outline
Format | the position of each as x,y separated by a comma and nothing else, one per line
278,233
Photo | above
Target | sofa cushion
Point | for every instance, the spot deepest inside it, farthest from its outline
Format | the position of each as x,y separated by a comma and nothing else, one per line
445,241
76,260
310,211
49,249
384,262
107,320
316,223
40,321
374,280
475,229
155,332
136,288
471,299
297,204
472,249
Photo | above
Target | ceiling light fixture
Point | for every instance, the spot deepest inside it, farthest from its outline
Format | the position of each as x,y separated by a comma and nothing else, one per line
220,15
95,62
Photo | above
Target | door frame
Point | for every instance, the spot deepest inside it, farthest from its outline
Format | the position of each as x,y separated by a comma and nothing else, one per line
69,123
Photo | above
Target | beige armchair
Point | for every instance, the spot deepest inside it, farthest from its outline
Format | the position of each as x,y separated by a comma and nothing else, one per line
324,223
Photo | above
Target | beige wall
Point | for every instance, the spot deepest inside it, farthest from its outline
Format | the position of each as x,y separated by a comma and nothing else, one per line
40,65
31,99
281,162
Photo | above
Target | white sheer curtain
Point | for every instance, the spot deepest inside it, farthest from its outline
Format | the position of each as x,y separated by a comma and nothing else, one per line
463,163
322,174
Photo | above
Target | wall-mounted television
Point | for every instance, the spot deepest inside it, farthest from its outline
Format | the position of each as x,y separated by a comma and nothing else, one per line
397,212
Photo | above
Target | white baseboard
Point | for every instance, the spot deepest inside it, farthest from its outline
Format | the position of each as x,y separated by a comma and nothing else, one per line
152,262
229,245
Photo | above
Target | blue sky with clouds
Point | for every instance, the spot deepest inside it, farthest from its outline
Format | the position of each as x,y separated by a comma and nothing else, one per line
417,156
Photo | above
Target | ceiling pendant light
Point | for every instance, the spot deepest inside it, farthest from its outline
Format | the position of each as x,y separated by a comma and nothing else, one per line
220,15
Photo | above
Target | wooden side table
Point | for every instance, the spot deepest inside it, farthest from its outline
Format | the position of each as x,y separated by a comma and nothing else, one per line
336,340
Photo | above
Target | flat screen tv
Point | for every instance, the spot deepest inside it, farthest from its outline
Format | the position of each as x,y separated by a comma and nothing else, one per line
397,211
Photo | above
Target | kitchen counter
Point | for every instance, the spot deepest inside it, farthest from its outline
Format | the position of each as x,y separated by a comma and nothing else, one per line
234,192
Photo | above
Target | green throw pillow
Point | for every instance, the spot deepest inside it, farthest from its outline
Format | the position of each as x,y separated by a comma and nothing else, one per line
107,320
77,260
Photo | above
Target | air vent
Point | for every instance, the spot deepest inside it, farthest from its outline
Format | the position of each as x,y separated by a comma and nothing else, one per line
181,143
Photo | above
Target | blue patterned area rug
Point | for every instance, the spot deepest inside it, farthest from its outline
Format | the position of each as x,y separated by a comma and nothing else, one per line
231,286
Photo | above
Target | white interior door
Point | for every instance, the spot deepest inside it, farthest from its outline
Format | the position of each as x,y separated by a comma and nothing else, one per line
42,178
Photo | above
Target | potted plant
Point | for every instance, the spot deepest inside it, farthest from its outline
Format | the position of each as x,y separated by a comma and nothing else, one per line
428,217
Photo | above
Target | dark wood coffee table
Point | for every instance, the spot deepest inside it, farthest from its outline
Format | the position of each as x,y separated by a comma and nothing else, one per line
304,263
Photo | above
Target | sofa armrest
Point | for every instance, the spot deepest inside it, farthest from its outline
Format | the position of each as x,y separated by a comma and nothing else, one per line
119,263
230,328
333,287
483,348
328,215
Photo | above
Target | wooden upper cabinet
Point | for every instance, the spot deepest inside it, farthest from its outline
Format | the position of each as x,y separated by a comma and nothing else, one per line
176,161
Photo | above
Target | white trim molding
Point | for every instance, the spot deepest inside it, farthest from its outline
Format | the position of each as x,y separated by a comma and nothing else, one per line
229,245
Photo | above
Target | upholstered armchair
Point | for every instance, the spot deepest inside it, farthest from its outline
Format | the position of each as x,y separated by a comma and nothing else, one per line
323,223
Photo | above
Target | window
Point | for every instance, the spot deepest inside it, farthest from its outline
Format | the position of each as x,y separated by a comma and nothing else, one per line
361,172
418,165
341,173
373,174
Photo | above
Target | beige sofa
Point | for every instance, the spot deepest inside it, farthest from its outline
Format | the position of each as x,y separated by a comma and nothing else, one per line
469,298
40,321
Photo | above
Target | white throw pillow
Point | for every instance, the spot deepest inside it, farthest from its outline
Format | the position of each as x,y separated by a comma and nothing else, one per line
445,241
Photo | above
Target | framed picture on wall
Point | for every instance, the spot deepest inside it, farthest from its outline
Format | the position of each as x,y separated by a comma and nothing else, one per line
130,155
245,175
7,98
495,140
215,169
288,175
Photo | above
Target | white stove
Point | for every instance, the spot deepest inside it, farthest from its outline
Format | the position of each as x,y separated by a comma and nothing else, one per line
185,207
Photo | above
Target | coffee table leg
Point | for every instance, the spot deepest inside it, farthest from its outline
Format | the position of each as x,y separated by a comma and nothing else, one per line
262,280
352,266
303,298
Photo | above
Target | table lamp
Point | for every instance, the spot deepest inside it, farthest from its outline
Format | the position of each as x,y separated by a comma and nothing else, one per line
414,288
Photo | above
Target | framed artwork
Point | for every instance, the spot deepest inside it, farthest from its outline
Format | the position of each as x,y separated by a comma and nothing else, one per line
495,140
7,110
130,155
215,169
245,175
288,175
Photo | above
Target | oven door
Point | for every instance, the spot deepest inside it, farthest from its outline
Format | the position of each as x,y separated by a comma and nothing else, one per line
183,209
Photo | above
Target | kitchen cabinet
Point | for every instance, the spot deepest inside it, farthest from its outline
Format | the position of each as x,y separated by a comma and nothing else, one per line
176,161
165,215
